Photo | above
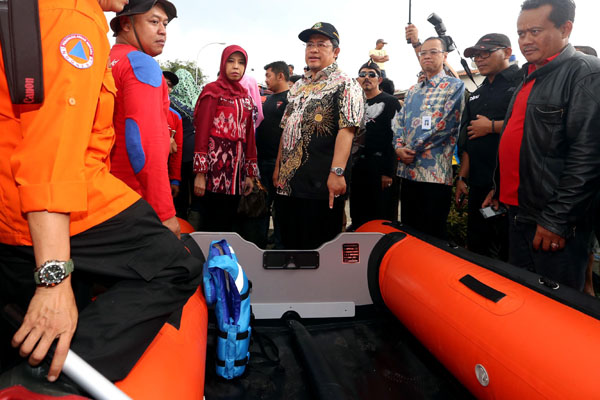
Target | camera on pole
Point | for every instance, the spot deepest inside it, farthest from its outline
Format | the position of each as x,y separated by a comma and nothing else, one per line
440,29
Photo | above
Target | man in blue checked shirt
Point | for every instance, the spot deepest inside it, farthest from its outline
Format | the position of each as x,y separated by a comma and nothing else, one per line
425,135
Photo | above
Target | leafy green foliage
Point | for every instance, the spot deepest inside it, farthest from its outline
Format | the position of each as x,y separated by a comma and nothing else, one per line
457,222
191,66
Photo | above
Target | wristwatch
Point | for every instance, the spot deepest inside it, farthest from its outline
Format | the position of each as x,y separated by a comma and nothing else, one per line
337,170
53,272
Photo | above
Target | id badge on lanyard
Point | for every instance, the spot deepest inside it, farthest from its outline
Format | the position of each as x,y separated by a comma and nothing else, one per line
426,119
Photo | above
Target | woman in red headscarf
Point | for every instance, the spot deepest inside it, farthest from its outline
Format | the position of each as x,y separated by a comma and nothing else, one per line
225,150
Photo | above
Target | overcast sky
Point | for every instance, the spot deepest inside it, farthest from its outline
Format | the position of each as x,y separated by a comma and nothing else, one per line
268,30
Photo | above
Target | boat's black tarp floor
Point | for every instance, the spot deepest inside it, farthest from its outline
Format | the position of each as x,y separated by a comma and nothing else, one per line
372,356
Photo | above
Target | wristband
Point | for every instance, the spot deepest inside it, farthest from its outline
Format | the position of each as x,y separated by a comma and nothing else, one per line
415,45
462,178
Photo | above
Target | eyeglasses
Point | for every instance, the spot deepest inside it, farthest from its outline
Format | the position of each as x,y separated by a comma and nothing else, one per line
319,45
370,74
483,54
432,52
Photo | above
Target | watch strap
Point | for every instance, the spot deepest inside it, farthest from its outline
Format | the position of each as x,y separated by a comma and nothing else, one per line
68,265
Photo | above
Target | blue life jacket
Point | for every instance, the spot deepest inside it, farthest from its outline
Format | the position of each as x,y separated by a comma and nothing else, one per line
226,284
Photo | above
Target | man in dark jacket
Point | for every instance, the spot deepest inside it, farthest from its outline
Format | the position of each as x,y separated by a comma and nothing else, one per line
549,153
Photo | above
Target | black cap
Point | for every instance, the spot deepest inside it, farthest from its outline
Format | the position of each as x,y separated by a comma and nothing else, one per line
322,28
488,42
371,65
172,77
139,7
381,41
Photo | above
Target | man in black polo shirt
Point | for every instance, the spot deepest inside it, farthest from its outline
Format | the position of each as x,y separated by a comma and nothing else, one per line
375,159
268,135
483,118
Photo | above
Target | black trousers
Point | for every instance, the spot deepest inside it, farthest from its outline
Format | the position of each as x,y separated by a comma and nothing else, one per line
148,273
368,201
488,237
219,212
308,223
566,266
425,206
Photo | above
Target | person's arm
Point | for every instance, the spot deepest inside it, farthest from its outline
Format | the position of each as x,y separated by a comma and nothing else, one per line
144,94
351,106
482,126
251,165
48,166
343,145
405,154
203,119
379,59
52,312
412,35
462,188
580,176
175,158
277,161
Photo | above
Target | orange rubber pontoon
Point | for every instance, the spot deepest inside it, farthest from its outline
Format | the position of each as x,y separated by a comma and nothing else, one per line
172,367
520,345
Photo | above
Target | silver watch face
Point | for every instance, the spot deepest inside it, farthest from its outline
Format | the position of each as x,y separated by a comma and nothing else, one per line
338,171
52,274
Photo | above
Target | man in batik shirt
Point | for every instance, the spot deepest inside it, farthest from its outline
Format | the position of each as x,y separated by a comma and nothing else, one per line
324,110
425,134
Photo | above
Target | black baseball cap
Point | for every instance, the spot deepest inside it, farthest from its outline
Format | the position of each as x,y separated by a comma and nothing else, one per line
371,65
139,7
172,77
381,41
323,28
488,42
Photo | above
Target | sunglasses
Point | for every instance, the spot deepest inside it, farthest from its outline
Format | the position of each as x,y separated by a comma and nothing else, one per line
370,74
483,54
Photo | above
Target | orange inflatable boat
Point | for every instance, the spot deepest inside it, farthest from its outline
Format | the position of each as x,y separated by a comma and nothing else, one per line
172,367
501,338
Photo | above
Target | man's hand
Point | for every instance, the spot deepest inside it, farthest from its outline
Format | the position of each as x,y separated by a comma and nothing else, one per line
461,190
479,127
52,314
412,33
174,190
248,185
200,184
173,146
407,156
490,201
337,187
276,175
386,182
548,241
173,225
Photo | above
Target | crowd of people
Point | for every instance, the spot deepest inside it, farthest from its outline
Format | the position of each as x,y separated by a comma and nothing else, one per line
78,195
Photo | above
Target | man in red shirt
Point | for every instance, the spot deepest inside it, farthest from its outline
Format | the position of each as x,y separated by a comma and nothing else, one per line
141,152
549,153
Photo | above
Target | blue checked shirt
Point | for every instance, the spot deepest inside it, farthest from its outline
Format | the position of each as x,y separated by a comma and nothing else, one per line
440,100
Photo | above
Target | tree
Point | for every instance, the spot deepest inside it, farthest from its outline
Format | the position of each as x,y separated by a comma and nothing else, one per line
190,66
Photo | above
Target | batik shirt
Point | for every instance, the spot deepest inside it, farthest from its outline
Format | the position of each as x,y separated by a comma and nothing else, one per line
429,124
318,108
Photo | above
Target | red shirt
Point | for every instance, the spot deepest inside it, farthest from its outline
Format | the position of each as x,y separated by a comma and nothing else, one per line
509,150
141,152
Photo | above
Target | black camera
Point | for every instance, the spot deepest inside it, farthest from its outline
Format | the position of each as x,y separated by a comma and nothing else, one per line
440,29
